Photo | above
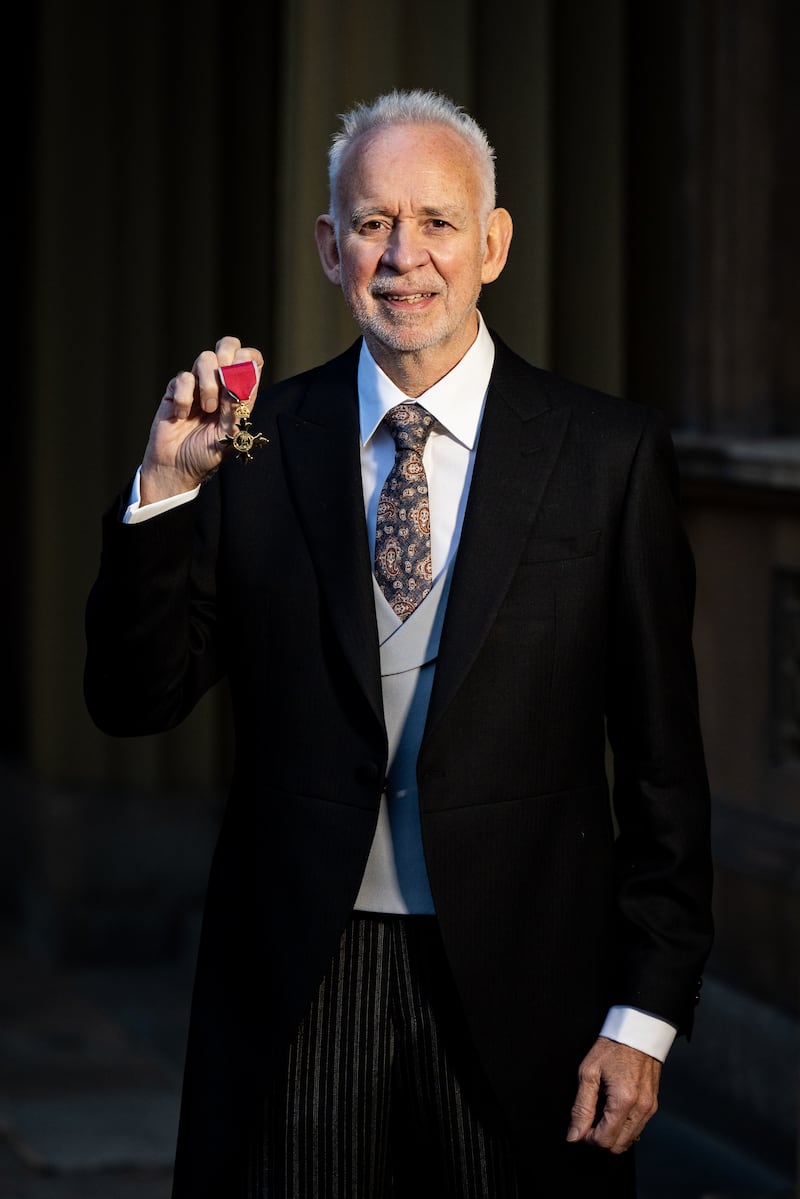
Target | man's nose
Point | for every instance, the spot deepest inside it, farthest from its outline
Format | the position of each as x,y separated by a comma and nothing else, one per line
405,248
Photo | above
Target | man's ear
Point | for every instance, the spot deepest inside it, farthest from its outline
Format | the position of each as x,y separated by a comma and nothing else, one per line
499,230
325,233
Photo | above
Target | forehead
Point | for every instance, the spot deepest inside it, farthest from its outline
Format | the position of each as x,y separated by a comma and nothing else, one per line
415,161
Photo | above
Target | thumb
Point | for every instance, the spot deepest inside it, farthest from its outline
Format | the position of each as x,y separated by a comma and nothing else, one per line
583,1110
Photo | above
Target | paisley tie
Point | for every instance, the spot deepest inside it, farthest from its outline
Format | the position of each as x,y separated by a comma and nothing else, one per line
403,530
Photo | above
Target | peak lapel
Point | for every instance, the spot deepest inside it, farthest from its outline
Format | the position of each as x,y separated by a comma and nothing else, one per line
520,439
320,446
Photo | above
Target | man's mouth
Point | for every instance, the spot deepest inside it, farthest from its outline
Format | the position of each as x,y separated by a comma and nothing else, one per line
414,298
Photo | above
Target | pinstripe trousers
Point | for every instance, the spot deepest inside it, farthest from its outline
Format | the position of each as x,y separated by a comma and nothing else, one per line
382,1097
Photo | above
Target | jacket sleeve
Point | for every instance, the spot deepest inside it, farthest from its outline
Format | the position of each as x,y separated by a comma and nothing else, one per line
660,785
150,624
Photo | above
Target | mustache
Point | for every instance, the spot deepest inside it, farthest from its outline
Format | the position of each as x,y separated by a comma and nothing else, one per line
390,287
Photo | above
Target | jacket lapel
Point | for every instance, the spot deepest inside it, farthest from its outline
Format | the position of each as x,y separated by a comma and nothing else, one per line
521,435
320,447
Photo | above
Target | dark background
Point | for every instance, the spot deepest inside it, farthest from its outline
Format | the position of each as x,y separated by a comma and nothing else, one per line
164,167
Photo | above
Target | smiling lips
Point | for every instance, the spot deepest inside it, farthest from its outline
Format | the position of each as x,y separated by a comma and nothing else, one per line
414,298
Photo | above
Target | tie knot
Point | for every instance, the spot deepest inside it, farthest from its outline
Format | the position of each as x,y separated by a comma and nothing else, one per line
410,425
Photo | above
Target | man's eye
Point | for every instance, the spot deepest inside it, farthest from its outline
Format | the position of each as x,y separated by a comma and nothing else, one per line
440,223
373,226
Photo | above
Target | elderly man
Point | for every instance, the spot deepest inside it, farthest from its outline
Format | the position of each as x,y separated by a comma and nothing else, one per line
437,959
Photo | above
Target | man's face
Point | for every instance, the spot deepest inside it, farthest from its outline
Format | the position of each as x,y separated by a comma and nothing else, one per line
410,251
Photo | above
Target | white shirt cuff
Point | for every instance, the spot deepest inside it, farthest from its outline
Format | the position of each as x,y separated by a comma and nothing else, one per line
640,1030
136,512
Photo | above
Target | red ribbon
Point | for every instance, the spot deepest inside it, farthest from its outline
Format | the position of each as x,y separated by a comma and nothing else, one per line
239,379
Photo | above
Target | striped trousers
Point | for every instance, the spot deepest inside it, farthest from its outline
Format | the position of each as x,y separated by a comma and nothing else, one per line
382,1097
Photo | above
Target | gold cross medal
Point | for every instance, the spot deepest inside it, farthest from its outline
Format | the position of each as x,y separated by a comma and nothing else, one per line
239,379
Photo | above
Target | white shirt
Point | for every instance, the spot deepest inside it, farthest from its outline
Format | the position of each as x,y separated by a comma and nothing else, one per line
457,402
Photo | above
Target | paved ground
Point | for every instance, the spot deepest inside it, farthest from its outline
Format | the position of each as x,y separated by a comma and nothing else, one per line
89,1082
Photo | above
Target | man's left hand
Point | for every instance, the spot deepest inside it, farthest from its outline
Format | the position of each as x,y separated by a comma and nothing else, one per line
617,1095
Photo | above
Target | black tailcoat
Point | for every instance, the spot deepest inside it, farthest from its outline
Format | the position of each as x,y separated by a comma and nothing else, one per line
568,628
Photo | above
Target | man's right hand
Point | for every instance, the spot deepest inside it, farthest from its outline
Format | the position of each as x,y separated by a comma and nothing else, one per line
194,414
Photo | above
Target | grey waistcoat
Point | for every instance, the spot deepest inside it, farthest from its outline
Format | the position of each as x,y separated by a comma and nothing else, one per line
395,879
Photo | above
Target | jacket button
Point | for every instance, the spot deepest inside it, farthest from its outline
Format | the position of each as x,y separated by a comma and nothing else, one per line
367,775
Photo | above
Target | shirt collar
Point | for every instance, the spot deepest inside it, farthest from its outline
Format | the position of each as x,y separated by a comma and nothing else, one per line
456,400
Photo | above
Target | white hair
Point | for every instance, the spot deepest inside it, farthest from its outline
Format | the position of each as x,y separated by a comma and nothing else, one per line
411,108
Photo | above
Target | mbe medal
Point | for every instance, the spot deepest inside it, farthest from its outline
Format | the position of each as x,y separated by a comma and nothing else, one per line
239,379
